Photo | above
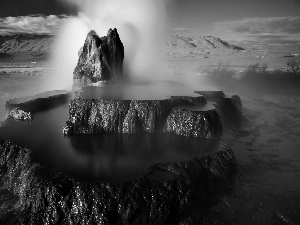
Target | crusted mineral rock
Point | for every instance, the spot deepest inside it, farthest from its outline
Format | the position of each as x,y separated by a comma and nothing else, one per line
167,194
229,106
174,115
231,111
18,114
100,59
194,123
88,116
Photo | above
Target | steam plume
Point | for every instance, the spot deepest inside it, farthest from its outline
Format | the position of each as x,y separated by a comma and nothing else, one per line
140,23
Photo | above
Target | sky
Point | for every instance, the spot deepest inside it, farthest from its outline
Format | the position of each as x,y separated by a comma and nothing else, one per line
272,22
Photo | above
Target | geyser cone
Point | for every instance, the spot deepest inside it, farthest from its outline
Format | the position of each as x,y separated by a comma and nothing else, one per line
100,59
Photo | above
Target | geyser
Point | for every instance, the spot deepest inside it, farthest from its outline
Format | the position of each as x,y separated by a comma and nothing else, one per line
131,155
138,162
140,25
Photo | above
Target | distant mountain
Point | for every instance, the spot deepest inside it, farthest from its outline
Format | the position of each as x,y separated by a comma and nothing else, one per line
33,43
200,43
44,43
36,47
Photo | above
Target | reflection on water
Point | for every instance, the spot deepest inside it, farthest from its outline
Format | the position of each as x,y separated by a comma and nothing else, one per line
207,107
110,157
143,90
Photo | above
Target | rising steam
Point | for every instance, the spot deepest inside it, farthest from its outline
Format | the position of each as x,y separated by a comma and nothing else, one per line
140,23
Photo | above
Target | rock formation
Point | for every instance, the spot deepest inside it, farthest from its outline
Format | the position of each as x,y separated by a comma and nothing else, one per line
88,116
167,194
229,107
18,114
194,123
100,59
178,114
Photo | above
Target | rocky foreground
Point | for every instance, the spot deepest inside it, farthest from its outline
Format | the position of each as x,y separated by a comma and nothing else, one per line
168,193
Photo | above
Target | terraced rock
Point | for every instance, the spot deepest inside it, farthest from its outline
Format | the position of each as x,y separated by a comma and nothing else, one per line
167,194
193,122
88,116
229,106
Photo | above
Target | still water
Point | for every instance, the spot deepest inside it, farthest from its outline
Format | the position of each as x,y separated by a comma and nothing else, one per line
110,157
267,149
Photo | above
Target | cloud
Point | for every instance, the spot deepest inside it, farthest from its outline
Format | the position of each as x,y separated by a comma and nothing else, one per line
37,24
267,30
29,7
271,25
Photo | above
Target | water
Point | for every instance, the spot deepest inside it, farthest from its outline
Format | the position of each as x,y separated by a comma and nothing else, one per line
266,148
110,157
20,85
207,107
138,90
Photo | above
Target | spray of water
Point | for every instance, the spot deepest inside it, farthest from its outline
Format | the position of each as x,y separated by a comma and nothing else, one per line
142,26
140,23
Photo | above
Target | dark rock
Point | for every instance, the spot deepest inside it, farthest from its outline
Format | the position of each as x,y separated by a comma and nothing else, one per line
199,100
87,116
229,107
192,122
203,219
146,115
18,114
39,102
100,59
49,197
237,100
230,111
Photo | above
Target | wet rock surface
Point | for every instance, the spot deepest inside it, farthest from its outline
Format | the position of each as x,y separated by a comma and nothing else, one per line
18,114
100,59
87,116
167,194
228,105
193,122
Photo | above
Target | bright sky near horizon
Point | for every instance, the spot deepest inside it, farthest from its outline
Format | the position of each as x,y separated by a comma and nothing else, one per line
275,22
